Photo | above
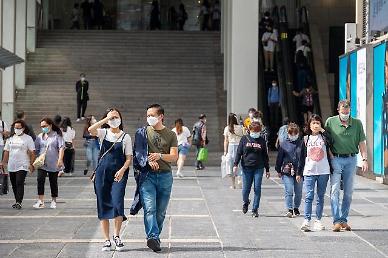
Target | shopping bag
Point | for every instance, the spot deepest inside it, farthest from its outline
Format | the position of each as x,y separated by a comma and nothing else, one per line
203,154
224,166
3,183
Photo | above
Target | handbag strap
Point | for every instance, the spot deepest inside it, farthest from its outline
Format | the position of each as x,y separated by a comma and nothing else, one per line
111,147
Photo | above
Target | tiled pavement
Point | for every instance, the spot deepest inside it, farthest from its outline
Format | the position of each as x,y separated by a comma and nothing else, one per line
204,220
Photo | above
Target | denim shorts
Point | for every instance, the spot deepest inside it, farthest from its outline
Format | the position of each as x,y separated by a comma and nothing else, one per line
183,149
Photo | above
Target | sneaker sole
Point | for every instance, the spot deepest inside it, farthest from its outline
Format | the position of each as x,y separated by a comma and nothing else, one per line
119,249
106,249
151,243
305,229
40,207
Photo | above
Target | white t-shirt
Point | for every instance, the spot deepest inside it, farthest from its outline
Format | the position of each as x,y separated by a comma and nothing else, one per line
182,138
236,137
270,43
112,137
299,38
316,160
69,135
18,156
6,129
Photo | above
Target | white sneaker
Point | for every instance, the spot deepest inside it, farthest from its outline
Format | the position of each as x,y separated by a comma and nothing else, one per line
38,205
78,120
61,173
318,225
306,227
53,205
83,118
179,174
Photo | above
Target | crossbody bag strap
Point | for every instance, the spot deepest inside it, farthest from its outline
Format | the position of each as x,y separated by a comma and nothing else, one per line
111,147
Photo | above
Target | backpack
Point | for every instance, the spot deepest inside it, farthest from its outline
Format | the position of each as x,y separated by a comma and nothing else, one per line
308,99
197,134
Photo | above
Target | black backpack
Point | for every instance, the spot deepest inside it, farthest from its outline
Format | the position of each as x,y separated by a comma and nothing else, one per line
197,131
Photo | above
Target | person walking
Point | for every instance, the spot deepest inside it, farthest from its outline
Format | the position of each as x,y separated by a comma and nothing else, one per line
49,142
110,178
155,16
82,87
68,134
4,134
315,167
75,16
98,12
287,162
20,115
182,17
252,152
155,190
232,136
184,141
216,16
87,14
18,158
348,138
92,146
200,139
204,15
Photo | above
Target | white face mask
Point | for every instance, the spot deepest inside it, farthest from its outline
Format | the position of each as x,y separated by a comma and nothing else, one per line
293,137
152,121
18,131
344,117
274,85
82,78
114,123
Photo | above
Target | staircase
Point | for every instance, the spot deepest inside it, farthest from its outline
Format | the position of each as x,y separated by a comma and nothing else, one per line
129,70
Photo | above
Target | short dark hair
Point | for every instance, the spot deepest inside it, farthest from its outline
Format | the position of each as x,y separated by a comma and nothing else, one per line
251,110
267,13
20,114
344,102
82,75
160,109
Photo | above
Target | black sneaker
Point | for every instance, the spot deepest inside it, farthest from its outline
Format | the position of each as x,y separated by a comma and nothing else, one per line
18,206
85,172
290,213
245,207
296,212
255,214
154,245
118,243
14,206
107,245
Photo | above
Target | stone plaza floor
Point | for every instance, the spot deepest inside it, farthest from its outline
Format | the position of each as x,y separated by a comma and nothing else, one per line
204,219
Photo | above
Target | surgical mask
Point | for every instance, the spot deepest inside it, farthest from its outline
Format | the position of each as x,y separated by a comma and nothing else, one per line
344,117
114,123
82,78
255,135
45,130
18,131
152,121
274,85
250,115
293,137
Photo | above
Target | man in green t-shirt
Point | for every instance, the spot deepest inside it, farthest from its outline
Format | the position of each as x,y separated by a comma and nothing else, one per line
155,190
348,138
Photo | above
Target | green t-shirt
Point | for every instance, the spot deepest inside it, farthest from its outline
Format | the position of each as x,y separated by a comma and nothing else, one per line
161,142
345,139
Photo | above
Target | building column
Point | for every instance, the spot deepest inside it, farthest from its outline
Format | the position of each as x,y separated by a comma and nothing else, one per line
20,44
31,26
242,55
8,76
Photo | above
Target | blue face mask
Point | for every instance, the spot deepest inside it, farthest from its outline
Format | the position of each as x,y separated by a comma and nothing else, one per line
45,129
255,135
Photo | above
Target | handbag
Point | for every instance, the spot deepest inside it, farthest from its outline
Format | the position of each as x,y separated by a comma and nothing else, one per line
3,183
288,169
39,161
202,154
93,175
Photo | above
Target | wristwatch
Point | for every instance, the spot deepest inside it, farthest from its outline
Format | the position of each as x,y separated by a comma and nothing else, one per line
160,155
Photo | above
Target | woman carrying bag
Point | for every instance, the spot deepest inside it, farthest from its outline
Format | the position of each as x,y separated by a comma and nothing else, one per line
68,136
49,146
111,174
18,157
252,152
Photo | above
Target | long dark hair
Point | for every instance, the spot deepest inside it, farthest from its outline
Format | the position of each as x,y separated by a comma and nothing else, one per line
178,126
232,121
106,114
65,123
314,117
54,127
24,125
88,123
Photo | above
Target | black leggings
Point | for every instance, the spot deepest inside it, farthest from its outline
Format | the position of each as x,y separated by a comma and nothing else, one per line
17,182
53,178
68,160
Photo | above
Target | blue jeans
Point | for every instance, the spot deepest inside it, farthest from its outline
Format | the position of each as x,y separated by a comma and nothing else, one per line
347,168
309,182
252,176
92,152
291,188
155,194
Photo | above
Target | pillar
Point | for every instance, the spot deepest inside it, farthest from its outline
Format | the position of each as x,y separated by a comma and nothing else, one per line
242,55
31,26
20,43
8,76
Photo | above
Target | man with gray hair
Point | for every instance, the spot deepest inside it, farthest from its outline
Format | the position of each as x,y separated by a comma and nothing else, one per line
348,138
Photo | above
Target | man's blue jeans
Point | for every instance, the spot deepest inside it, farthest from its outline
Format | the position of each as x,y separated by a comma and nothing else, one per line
155,194
309,183
347,168
254,176
291,188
